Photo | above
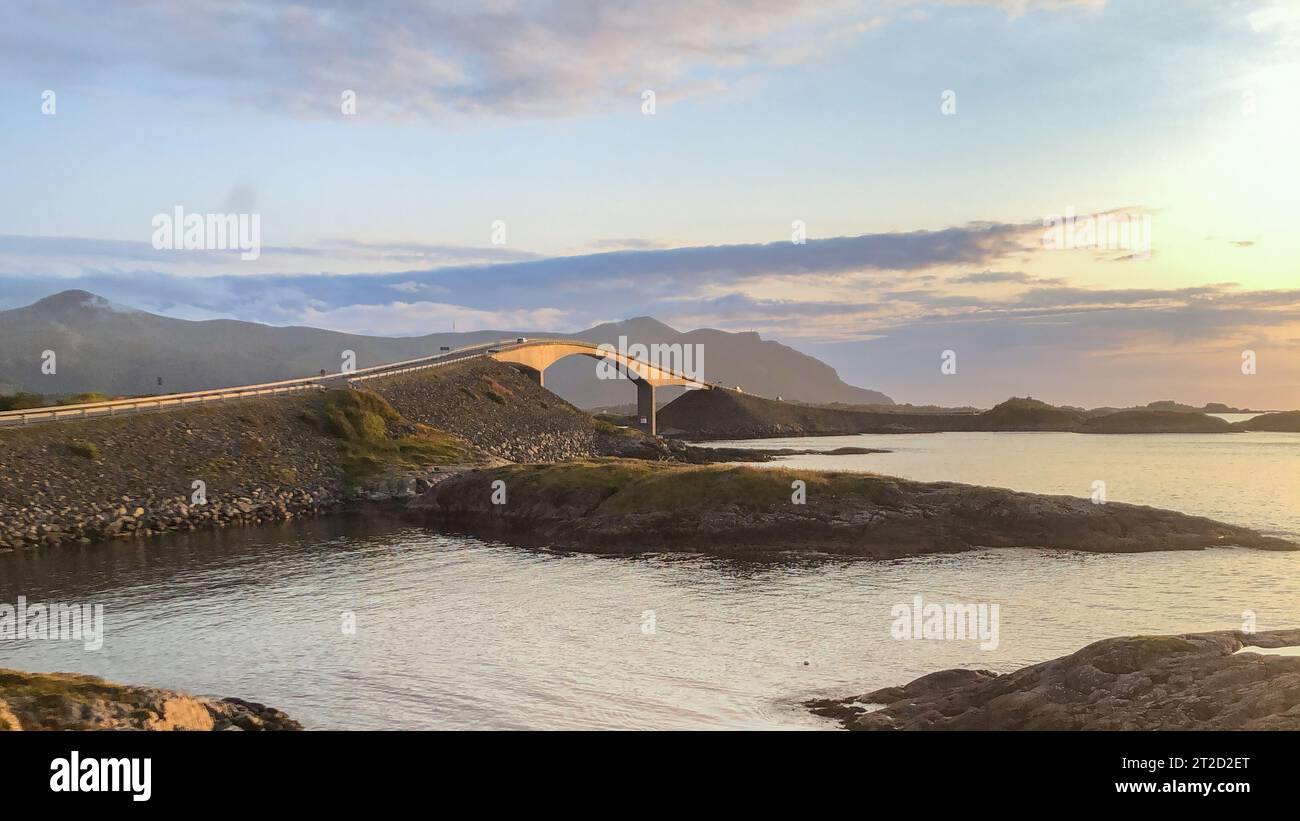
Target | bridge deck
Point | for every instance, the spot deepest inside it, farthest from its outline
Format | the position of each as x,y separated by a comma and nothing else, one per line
501,351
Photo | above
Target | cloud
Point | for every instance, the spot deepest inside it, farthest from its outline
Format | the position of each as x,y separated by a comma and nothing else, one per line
595,285
71,256
400,318
986,277
432,61
628,243
1075,346
839,288
879,307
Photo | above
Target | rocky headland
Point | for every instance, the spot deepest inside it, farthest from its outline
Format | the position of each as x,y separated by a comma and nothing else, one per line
259,461
1197,681
1283,422
618,505
69,701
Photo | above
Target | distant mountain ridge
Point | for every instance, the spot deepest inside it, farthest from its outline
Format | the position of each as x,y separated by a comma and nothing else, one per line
108,348
745,359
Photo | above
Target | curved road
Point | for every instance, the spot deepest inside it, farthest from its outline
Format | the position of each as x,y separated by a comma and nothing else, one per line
171,401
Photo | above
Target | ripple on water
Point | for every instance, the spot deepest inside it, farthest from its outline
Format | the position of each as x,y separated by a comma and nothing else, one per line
455,632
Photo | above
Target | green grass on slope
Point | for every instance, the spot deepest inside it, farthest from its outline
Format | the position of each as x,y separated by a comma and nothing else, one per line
637,486
374,437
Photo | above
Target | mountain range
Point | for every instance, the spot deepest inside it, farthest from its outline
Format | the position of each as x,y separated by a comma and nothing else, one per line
104,347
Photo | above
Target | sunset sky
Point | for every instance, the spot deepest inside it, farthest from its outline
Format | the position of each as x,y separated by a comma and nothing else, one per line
924,222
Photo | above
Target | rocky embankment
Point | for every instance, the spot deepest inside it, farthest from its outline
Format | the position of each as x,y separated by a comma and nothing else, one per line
635,506
1197,681
501,411
251,462
507,415
68,701
258,461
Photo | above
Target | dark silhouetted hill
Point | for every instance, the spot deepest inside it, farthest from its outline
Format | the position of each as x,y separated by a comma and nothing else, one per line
1286,422
727,415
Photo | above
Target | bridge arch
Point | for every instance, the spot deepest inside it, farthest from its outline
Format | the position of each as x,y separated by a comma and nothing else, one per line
535,356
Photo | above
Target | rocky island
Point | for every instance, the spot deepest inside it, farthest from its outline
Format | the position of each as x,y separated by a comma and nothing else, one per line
1197,681
621,505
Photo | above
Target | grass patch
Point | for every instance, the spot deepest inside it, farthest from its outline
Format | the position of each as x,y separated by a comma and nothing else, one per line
84,449
249,420
495,387
220,466
284,475
1163,644
83,398
16,685
252,446
21,401
24,401
625,486
374,437
610,429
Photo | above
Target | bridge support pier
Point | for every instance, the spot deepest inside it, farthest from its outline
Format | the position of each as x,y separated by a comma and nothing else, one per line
645,407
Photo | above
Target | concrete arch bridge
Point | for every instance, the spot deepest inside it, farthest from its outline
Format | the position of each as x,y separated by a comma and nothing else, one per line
534,356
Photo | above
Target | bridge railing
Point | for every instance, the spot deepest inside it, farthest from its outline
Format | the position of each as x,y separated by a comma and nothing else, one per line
141,404
422,362
585,343
171,401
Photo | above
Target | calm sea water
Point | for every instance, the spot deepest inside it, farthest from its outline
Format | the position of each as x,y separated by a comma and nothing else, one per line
454,632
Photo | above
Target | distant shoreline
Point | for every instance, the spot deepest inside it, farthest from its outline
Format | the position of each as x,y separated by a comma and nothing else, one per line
703,416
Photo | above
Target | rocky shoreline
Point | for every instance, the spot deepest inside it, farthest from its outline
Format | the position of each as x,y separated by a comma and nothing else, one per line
265,461
69,701
261,461
254,462
622,506
1196,681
